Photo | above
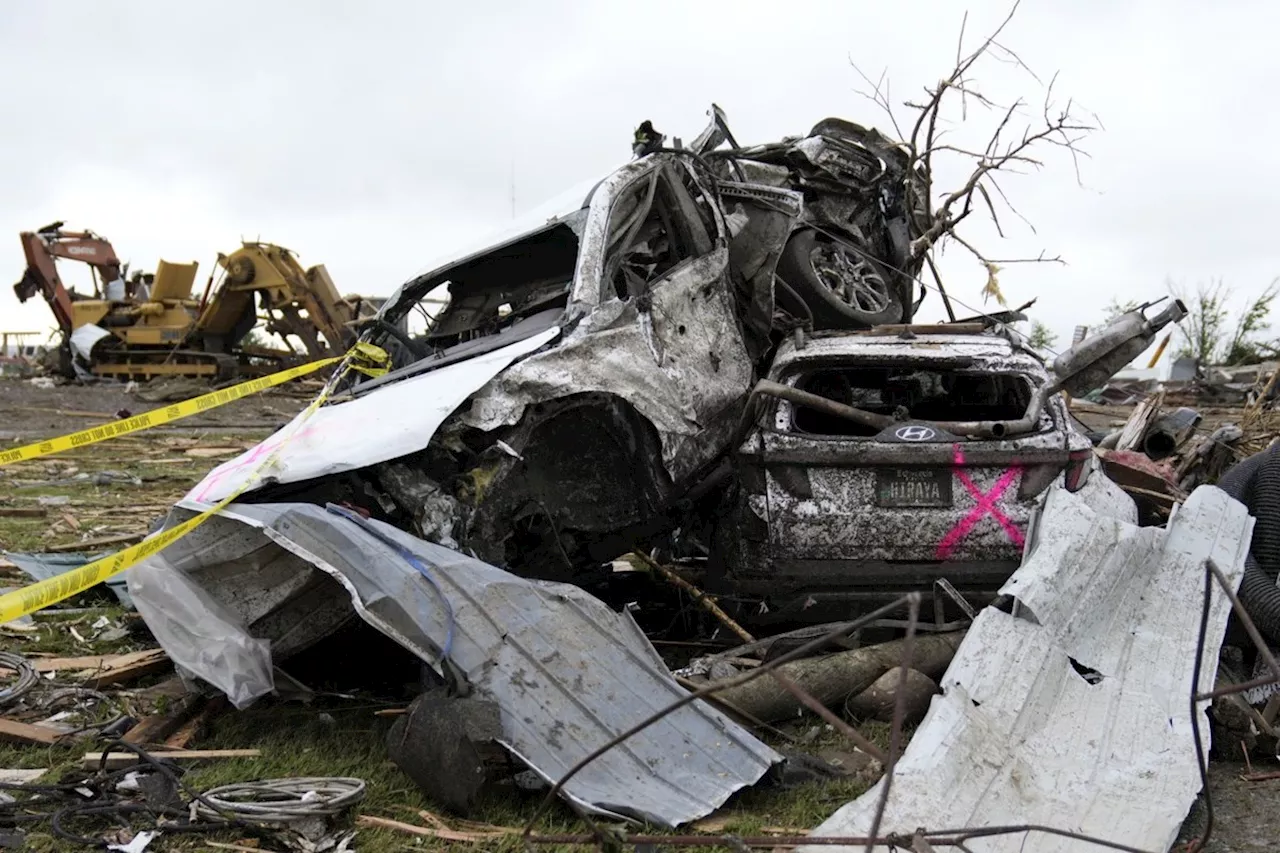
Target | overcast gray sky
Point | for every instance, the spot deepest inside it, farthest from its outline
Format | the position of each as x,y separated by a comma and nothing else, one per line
372,137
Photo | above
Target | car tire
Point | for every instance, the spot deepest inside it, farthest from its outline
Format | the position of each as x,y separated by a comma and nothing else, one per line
840,286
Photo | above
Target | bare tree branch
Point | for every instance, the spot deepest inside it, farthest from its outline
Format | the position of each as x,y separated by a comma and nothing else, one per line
1015,146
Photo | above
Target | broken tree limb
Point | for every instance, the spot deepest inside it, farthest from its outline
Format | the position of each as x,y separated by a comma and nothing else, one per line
833,678
698,595
876,702
782,679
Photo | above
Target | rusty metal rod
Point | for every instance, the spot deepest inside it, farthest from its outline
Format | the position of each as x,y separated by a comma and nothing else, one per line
1252,630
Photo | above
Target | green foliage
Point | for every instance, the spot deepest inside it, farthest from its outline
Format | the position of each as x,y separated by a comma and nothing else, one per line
1115,308
1208,335
1041,337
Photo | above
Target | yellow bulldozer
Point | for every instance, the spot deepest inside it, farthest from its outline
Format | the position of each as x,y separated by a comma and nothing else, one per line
144,325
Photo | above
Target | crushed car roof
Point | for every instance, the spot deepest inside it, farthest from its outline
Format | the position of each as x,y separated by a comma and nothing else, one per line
987,350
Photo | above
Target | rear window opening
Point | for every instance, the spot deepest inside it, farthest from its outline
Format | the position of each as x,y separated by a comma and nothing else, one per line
923,394
489,293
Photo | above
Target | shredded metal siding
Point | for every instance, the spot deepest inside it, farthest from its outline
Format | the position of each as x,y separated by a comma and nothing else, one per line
567,672
1022,735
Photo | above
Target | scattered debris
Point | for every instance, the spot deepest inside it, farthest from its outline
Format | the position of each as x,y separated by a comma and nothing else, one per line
763,458
440,830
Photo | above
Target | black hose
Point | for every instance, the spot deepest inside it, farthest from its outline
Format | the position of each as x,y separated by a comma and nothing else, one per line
26,679
1255,482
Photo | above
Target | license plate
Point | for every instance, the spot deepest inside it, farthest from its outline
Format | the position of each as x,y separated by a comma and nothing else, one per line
913,487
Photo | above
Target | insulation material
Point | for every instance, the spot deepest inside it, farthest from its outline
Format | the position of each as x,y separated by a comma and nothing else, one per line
1072,711
84,338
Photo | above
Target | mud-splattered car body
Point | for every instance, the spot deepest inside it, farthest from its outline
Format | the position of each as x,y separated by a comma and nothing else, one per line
830,514
587,375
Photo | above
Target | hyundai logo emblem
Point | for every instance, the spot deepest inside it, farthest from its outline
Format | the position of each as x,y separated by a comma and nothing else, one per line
914,433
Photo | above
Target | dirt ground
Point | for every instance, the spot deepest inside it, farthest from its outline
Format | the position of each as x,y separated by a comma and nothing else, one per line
341,734
29,411
1246,814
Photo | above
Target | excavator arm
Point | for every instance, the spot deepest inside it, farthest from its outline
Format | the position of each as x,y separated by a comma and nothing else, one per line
42,247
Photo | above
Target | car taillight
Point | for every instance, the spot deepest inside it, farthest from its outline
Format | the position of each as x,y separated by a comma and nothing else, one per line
1035,479
1079,466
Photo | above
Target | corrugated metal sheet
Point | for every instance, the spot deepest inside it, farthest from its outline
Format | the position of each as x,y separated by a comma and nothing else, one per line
1026,732
567,672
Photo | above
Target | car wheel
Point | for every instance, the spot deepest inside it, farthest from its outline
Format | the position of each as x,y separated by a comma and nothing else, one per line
840,285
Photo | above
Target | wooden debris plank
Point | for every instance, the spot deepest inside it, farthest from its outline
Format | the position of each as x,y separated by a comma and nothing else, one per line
58,664
12,731
154,728
125,668
118,760
1139,422
90,544
192,727
172,688
23,512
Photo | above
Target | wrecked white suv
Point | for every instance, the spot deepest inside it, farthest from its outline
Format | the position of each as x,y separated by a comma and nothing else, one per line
887,461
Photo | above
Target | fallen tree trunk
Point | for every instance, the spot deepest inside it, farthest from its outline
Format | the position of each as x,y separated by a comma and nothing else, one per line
878,701
833,678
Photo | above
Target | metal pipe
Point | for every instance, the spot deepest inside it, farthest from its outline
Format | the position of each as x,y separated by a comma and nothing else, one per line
977,429
1003,429
823,404
1169,431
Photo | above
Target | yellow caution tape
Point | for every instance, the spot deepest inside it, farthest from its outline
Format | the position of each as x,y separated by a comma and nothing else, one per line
365,358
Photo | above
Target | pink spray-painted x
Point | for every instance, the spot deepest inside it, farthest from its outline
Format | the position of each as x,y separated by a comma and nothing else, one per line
986,505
